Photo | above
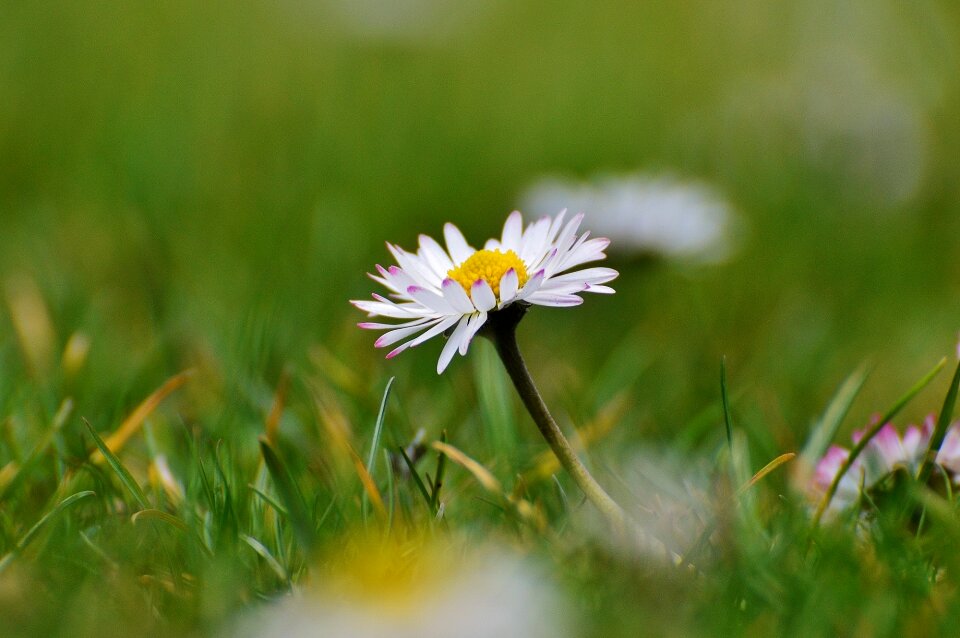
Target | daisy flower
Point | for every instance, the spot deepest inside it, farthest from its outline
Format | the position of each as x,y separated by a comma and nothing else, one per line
455,289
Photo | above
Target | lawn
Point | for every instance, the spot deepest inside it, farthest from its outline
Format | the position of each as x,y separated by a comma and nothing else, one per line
196,439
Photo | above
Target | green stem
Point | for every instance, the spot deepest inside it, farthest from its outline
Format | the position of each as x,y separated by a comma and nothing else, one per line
502,329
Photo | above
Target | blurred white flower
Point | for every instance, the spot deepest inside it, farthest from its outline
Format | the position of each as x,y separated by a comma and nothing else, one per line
672,499
409,21
404,593
648,214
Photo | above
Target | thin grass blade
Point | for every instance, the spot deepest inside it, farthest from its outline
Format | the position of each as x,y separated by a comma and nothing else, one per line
122,473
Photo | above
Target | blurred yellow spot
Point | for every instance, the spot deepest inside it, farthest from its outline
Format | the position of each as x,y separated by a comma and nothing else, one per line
490,266
31,320
75,353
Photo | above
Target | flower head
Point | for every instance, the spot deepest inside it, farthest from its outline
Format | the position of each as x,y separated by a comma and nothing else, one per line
436,290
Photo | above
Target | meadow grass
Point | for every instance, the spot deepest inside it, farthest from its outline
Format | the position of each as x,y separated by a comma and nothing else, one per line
191,426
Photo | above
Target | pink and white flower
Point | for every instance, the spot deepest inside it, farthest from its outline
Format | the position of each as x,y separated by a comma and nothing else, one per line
886,452
453,289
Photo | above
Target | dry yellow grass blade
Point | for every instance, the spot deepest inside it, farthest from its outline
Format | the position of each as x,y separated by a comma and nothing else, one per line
483,476
31,321
75,354
276,410
132,423
769,467
368,485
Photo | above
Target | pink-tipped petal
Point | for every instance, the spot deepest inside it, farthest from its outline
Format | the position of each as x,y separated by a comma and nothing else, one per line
482,295
509,284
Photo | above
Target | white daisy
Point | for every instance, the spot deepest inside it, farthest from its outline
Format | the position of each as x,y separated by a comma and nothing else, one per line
436,290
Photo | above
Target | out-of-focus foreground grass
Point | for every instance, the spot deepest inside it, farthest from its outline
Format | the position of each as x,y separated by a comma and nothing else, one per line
203,185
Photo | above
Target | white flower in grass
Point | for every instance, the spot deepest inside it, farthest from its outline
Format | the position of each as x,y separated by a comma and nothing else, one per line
436,290
418,593
648,214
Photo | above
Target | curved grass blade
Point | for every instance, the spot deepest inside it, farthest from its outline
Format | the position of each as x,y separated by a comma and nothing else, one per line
265,554
13,473
378,429
160,515
272,502
125,477
482,474
132,423
767,469
27,538
375,443
826,428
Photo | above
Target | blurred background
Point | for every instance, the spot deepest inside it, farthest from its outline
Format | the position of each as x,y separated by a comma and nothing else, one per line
205,184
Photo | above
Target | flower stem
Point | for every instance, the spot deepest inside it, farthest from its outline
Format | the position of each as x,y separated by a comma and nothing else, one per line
503,332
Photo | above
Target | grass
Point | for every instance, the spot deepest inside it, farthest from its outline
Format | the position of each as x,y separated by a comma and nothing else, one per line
191,425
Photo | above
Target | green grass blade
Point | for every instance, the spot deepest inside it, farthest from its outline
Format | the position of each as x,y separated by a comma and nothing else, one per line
154,514
265,554
726,402
826,428
31,534
122,473
940,431
289,494
272,502
378,429
438,479
375,443
416,478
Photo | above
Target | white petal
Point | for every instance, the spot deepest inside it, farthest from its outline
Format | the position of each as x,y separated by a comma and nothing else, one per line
555,226
588,275
564,287
367,325
431,300
587,252
492,244
483,297
512,231
437,329
435,255
457,246
534,244
457,297
396,279
603,290
476,322
568,234
385,309
415,267
390,338
547,299
508,286
453,343
532,286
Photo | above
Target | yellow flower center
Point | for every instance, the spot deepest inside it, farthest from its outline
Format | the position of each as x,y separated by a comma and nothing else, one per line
489,265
